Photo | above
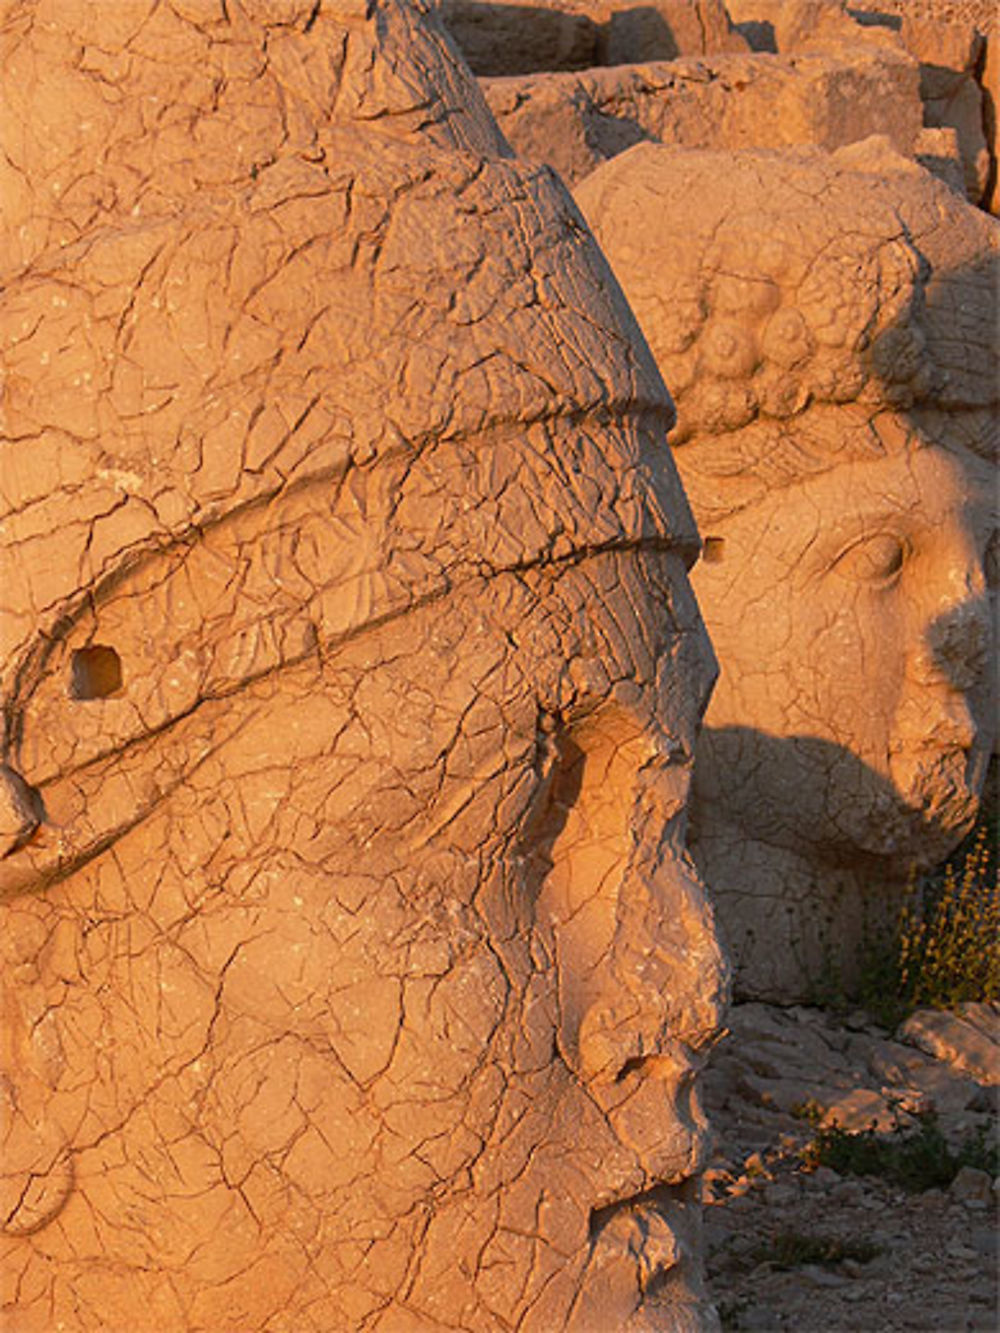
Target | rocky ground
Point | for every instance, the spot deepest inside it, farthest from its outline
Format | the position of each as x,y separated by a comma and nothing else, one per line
794,1247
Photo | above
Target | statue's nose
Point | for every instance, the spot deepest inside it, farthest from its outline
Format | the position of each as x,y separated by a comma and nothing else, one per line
20,810
957,643
662,993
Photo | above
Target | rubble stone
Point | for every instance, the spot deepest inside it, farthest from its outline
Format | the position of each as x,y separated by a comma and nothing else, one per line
935,1261
972,1046
575,121
525,36
971,1185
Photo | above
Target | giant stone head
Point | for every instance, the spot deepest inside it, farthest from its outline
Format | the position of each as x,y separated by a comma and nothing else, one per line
354,974
827,326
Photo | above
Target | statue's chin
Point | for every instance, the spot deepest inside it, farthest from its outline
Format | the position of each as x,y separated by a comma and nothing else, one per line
641,1274
932,806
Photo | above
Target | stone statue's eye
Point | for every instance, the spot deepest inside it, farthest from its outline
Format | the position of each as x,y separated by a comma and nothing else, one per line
96,673
877,559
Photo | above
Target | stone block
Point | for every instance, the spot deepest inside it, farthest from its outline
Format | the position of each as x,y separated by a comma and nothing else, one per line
963,1044
938,152
528,36
788,26
575,121
667,29
519,38
957,82
961,109
972,1186
945,50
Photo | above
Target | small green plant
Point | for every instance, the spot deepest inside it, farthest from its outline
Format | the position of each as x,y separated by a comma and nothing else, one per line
792,1249
949,933
809,1111
943,948
916,1157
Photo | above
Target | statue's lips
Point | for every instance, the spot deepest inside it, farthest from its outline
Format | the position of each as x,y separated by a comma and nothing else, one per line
91,807
643,1184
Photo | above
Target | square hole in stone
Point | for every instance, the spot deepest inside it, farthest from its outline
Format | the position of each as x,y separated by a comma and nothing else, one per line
711,550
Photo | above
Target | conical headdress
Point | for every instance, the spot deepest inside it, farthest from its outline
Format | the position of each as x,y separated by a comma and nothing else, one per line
273,282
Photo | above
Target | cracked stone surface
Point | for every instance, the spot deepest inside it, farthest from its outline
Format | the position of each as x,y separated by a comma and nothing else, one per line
354,975
826,324
954,40
575,121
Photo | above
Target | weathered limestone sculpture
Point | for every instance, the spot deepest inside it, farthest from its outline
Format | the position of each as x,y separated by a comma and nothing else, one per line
354,974
828,332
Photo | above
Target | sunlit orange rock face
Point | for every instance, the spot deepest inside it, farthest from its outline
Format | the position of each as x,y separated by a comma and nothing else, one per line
354,976
827,325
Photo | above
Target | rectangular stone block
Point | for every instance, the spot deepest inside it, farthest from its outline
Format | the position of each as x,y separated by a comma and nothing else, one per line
575,121
529,36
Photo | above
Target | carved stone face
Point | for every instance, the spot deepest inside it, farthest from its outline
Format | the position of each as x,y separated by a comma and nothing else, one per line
851,610
354,974
392,995
836,376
